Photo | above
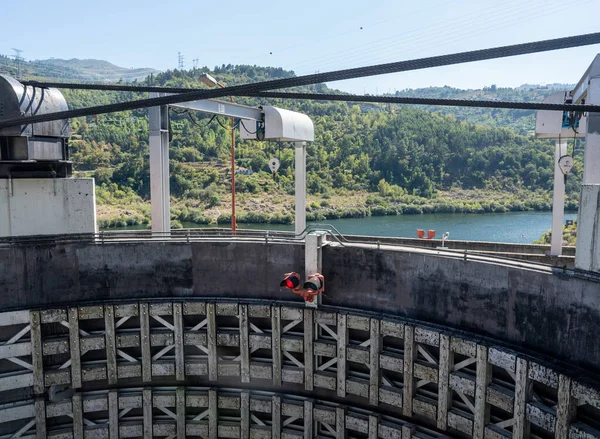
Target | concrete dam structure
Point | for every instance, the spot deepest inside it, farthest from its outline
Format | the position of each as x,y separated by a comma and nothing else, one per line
185,337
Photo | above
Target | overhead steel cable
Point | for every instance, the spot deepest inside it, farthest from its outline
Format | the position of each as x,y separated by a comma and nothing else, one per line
350,98
110,87
427,101
338,75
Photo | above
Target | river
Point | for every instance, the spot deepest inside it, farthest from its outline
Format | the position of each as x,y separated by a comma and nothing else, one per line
514,227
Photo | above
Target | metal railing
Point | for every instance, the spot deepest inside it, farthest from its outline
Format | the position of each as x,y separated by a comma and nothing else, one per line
333,236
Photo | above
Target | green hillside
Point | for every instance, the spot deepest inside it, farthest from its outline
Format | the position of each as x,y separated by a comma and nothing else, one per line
521,121
86,70
366,160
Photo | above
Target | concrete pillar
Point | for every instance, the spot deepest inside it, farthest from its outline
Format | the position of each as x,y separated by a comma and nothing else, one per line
587,256
158,118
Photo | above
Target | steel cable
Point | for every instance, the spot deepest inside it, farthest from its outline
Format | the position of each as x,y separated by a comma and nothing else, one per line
428,101
338,75
351,98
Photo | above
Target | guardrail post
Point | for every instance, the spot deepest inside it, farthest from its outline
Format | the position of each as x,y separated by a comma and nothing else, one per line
313,257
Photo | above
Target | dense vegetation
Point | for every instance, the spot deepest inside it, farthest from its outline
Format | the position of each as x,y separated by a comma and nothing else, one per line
366,160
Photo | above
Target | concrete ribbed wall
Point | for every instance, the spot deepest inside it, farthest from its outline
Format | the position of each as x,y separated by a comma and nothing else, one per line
547,312
408,335
258,370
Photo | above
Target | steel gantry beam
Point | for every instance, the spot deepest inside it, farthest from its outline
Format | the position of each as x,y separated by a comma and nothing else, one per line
221,108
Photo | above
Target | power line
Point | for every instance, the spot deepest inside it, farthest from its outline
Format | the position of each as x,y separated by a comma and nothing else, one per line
417,44
338,75
420,34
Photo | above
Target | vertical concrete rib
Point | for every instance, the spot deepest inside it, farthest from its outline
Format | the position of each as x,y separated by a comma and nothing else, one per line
342,332
40,418
213,372
444,393
113,414
77,415
213,414
178,335
75,350
409,358
180,406
245,415
147,410
566,409
374,362
244,345
36,352
407,431
373,427
309,353
308,419
276,344
110,341
522,393
276,417
145,342
481,416
340,423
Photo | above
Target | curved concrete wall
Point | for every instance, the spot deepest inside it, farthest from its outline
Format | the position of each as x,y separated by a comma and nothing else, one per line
265,370
550,314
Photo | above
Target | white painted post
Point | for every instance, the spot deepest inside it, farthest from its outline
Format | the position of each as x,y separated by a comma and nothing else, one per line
587,256
558,200
313,259
300,187
158,118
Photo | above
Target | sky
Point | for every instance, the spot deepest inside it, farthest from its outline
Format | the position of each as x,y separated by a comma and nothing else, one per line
311,36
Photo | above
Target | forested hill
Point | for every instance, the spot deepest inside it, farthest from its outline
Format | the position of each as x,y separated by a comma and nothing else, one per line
71,70
521,121
368,159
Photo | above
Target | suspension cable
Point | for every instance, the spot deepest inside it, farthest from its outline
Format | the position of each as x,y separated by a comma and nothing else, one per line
338,75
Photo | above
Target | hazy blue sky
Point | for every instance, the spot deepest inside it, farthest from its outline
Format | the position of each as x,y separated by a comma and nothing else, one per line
310,35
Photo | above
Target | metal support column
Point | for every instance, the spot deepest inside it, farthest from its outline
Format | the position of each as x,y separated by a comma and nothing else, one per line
300,187
558,201
159,166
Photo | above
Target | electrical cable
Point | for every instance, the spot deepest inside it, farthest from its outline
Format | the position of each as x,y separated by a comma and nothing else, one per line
178,112
443,41
249,132
195,122
343,34
337,75
224,127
